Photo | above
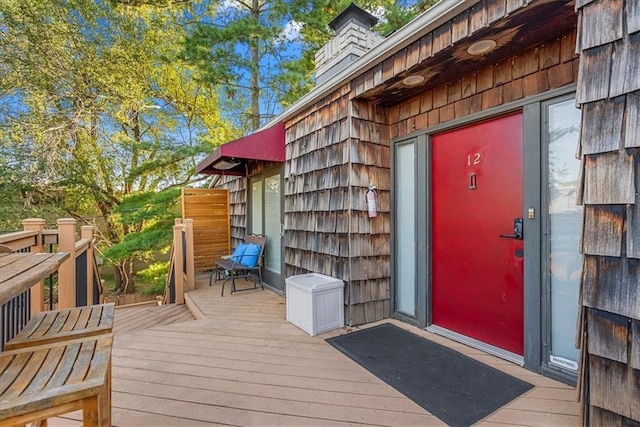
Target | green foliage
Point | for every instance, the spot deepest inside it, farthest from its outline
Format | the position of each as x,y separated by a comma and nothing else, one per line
155,3
151,215
238,47
241,48
296,78
96,112
155,275
106,106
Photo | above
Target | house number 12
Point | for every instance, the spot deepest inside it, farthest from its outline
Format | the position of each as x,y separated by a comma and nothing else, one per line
473,159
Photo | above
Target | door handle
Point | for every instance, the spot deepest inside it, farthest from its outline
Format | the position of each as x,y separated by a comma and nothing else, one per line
517,230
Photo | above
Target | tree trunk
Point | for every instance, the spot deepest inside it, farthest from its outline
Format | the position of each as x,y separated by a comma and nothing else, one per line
255,71
124,283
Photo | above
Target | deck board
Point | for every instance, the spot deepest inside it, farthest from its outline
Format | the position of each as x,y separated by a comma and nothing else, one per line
245,365
130,319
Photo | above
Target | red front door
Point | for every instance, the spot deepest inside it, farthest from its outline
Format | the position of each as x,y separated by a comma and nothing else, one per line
476,195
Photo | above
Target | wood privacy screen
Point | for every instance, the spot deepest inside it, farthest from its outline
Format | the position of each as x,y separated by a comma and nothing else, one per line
209,210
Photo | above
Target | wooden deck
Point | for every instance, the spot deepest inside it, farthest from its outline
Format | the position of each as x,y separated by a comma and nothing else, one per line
245,365
129,319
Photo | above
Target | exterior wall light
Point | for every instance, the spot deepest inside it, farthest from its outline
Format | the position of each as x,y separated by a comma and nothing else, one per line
412,80
481,47
225,164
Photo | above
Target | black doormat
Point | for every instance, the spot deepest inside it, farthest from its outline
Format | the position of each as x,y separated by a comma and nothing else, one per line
453,387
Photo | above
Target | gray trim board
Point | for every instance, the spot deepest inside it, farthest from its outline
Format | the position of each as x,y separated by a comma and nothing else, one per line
392,233
531,131
423,230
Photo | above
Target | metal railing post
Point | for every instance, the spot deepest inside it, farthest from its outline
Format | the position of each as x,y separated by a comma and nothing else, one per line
87,233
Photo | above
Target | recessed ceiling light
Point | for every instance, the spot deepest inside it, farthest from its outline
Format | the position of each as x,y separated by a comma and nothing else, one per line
225,164
481,47
412,80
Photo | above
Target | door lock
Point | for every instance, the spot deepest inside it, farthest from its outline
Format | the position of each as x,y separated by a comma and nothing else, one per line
517,230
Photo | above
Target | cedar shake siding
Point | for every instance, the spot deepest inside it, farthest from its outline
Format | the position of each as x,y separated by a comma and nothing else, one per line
536,70
334,151
339,137
340,144
238,197
609,96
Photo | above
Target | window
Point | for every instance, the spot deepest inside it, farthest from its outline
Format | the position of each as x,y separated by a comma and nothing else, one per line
405,249
564,228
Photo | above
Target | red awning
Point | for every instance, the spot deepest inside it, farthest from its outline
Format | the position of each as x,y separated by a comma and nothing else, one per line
231,158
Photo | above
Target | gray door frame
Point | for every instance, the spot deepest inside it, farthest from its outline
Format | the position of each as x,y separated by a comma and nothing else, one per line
533,166
422,235
548,369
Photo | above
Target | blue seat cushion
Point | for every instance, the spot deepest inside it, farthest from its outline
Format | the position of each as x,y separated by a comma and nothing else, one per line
250,258
237,255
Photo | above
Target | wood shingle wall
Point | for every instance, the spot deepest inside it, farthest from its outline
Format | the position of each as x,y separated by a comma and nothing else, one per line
609,96
238,198
369,238
538,69
316,190
237,187
341,144
334,151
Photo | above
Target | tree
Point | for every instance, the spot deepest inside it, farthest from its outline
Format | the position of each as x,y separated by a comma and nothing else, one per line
238,46
262,52
96,97
100,117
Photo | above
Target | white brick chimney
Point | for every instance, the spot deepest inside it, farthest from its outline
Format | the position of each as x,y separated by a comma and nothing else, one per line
353,39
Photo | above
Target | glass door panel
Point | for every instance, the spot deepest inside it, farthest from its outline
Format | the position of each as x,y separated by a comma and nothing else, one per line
273,222
265,217
405,248
564,224
256,207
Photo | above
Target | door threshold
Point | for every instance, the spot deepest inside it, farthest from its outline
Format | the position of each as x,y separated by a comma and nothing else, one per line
479,345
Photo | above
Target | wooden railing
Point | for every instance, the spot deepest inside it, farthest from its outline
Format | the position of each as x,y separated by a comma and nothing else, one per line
78,277
181,275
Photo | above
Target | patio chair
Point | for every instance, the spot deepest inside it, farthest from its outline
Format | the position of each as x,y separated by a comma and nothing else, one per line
245,263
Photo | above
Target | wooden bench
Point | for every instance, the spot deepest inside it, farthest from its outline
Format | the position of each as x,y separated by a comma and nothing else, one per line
72,338
50,327
44,381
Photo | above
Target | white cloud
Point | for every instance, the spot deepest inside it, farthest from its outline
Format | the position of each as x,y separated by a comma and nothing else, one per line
291,30
380,12
225,5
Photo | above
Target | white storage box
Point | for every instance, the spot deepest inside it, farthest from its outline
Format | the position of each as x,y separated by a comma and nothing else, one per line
315,302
